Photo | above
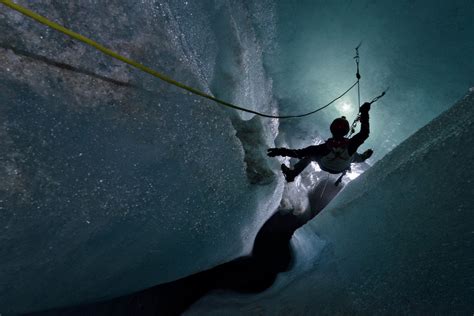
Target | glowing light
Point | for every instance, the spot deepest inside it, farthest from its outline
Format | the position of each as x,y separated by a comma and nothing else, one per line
346,107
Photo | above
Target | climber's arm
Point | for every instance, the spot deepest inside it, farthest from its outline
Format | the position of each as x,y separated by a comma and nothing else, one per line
359,138
316,150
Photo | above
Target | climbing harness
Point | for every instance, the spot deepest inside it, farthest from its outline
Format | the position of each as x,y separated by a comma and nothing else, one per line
109,52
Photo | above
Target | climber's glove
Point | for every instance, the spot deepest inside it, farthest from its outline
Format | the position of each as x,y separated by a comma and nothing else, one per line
365,108
272,152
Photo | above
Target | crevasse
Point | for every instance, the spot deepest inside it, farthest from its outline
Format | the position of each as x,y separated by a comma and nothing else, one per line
112,182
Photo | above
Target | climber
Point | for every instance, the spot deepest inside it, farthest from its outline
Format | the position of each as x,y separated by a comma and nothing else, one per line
336,154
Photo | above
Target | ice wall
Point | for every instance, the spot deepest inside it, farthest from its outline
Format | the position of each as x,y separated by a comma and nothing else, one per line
112,181
398,239
107,174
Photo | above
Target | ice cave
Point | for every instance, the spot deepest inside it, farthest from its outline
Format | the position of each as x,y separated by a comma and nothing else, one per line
123,194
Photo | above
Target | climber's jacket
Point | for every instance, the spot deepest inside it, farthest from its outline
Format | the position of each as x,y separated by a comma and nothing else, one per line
336,154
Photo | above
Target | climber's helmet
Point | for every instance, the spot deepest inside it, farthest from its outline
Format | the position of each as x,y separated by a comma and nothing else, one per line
340,127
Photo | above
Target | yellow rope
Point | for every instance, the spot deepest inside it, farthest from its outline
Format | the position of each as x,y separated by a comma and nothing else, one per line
103,49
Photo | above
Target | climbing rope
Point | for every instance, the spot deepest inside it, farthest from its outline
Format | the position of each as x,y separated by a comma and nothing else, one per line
357,60
103,49
358,76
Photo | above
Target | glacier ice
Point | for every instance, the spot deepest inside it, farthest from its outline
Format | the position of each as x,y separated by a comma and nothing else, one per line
112,181
112,177
397,240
